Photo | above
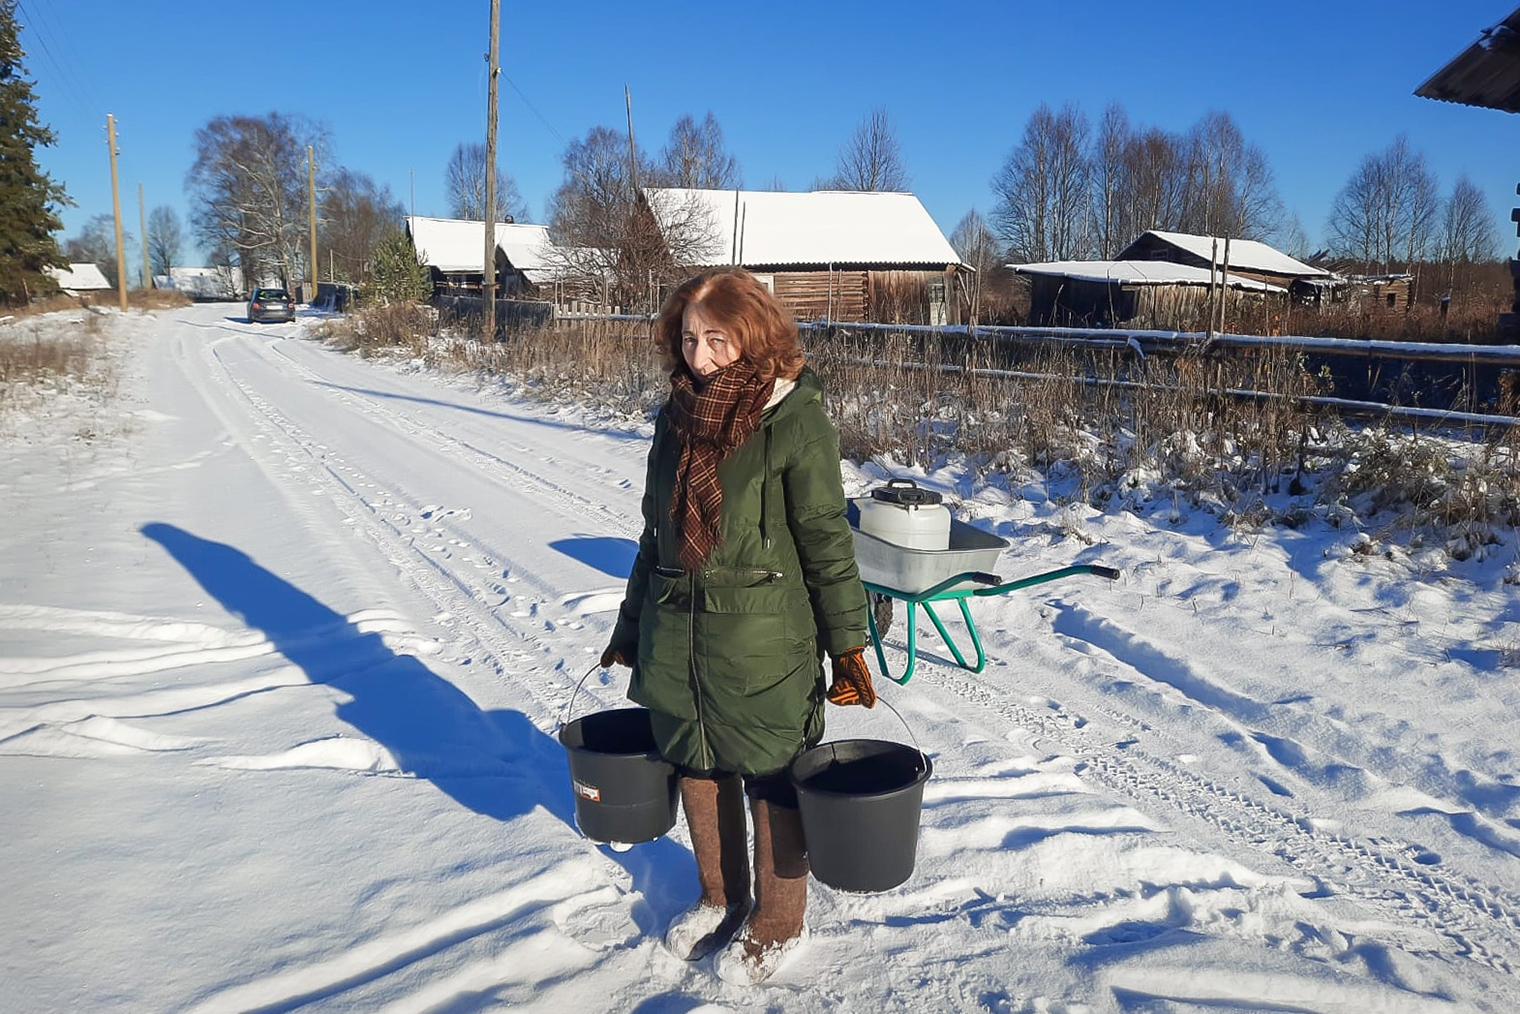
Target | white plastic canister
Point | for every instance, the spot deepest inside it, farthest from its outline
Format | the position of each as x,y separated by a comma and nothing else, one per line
913,525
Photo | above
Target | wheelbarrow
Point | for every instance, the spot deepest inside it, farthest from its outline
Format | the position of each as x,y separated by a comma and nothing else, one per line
922,577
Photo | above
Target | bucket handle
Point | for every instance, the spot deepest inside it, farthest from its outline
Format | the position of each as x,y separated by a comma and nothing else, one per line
922,760
564,715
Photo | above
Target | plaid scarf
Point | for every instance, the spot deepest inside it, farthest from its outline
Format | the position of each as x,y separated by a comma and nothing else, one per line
710,422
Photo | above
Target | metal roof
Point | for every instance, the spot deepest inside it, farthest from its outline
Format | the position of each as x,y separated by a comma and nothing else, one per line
78,277
821,227
1139,273
1245,254
457,245
1486,73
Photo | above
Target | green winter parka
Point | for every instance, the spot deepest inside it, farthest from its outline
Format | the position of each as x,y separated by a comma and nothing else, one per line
727,658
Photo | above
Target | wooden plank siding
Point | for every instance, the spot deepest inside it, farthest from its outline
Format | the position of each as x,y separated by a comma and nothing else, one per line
813,295
891,296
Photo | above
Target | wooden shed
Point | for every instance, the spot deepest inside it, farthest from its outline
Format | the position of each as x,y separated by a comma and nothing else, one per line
841,255
1141,293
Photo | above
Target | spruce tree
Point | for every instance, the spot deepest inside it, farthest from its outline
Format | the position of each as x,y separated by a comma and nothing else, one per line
29,199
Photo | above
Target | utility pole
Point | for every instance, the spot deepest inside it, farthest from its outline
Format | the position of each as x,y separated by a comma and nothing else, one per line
633,162
121,259
311,207
142,220
488,278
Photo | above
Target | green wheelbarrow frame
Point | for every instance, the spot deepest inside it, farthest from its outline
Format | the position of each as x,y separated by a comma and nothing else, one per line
946,591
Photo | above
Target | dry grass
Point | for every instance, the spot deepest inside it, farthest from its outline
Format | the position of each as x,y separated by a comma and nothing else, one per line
1098,426
47,305
156,299
39,362
403,326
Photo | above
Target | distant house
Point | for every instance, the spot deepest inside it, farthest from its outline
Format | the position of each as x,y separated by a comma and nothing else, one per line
79,278
1109,293
454,251
845,255
1248,258
214,284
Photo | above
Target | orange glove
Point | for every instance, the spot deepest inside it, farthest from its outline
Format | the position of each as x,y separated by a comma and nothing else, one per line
852,680
617,655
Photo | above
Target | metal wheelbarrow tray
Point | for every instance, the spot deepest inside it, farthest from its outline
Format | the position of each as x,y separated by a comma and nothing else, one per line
920,577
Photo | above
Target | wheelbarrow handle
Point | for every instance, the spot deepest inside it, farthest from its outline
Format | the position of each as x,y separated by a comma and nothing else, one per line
1109,572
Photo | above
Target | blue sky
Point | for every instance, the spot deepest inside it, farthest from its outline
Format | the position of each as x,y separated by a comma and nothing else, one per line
1316,85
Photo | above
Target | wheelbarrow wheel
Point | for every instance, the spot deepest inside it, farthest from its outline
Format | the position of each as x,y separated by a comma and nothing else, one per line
881,607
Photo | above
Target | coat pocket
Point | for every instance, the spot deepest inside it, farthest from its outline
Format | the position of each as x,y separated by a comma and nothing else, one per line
743,630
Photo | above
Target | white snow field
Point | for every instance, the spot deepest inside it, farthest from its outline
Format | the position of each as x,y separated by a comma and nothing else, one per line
285,644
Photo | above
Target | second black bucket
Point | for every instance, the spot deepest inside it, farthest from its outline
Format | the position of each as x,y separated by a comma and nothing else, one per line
860,801
624,790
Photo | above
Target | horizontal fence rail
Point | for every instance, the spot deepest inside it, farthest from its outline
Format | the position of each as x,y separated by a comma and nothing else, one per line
1140,343
1170,341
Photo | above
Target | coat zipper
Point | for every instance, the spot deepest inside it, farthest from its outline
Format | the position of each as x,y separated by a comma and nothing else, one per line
691,661
765,487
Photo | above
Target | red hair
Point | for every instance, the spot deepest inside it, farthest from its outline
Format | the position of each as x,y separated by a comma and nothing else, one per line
745,309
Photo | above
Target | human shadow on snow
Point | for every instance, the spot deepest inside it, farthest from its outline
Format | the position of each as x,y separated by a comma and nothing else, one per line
495,763
609,554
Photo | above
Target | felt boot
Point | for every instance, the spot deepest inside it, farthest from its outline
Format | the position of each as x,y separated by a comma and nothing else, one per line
715,818
774,929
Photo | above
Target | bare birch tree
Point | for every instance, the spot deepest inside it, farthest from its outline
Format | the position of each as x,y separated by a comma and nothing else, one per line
96,244
248,191
1043,200
357,215
1467,231
974,242
606,234
164,239
695,156
1386,213
464,183
1111,226
872,158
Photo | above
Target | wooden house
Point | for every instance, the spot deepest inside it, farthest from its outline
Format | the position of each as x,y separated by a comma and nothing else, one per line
841,255
454,251
1248,258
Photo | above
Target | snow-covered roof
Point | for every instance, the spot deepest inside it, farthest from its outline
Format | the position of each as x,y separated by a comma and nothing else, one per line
204,283
1245,254
79,277
1139,273
455,244
820,227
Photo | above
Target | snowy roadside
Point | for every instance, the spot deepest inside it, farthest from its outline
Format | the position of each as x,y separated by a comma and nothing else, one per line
282,662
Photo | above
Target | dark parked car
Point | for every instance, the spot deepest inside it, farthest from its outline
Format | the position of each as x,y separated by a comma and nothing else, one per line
271,304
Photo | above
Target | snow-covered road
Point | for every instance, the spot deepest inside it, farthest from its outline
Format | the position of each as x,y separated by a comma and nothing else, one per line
283,648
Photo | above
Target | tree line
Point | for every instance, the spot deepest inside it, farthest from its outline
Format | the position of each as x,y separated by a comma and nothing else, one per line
1070,190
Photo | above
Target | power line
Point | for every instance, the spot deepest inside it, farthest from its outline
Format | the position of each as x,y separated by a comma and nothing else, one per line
541,118
65,80
90,92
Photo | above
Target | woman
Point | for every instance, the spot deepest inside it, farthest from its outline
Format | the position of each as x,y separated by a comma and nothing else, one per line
745,576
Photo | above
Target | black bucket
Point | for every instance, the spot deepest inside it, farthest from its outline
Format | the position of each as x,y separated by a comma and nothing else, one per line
860,800
625,791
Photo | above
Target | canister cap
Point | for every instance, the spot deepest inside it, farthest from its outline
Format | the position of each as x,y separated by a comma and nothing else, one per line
905,493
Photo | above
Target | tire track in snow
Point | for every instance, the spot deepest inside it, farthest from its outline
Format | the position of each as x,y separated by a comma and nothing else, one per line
1481,920
446,442
504,645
